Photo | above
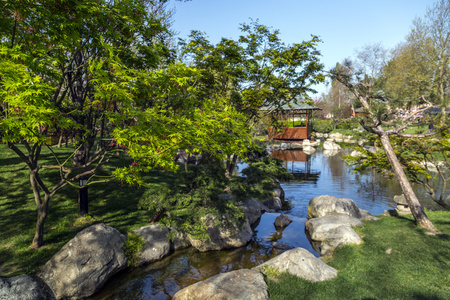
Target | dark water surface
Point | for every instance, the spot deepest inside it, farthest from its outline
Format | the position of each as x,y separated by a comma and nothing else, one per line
316,175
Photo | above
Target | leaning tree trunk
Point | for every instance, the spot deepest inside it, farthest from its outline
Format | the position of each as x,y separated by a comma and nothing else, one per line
411,198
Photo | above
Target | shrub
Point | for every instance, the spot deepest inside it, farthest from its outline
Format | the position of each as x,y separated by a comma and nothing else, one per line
132,247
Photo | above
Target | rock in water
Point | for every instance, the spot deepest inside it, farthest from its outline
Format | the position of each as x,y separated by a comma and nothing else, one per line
241,284
253,209
85,263
329,205
24,287
156,245
282,221
222,237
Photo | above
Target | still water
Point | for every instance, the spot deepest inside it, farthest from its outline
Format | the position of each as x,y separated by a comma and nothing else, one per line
316,175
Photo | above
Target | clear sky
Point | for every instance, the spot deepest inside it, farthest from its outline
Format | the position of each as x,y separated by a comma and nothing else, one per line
343,25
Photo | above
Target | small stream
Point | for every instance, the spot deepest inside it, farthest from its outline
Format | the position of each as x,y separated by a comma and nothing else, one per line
316,175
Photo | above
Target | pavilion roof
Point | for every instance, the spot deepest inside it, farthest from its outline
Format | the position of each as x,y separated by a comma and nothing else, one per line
294,107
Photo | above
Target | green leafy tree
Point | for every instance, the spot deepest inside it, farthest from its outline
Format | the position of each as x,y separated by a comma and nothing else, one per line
101,70
258,70
428,50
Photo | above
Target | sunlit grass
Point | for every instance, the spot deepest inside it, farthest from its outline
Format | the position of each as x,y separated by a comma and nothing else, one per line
396,261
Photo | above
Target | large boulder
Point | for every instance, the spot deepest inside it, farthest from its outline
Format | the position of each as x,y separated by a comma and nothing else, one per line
156,244
329,205
274,203
241,284
302,263
329,232
330,145
222,236
85,263
253,209
24,287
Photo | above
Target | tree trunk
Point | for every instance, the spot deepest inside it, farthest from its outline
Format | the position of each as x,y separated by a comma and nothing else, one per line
231,164
38,239
414,204
42,212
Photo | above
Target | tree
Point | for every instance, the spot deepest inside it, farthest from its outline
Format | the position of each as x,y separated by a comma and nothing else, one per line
47,81
255,71
378,117
339,101
431,37
407,74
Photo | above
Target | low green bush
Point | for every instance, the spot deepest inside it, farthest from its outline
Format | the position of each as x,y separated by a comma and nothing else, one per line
132,247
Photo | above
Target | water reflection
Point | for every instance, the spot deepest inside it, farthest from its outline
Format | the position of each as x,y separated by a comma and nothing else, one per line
298,163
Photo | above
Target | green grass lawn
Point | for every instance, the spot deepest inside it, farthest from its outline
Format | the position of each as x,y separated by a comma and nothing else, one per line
418,266
110,203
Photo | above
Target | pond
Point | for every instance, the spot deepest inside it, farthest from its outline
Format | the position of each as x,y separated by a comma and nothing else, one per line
316,175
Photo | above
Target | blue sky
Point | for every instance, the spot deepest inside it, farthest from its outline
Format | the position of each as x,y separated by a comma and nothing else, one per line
343,25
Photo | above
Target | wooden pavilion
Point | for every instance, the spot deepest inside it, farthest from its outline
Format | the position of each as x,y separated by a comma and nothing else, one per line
296,119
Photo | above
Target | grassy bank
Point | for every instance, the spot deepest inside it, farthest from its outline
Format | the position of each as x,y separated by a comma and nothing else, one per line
396,261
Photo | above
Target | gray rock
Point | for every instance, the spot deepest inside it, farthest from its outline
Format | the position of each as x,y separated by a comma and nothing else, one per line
180,242
221,237
276,147
283,146
253,209
329,145
24,287
85,263
273,204
302,263
241,284
282,221
306,142
314,143
366,216
356,153
332,221
329,205
309,149
280,246
328,153
329,232
296,146
370,149
156,245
